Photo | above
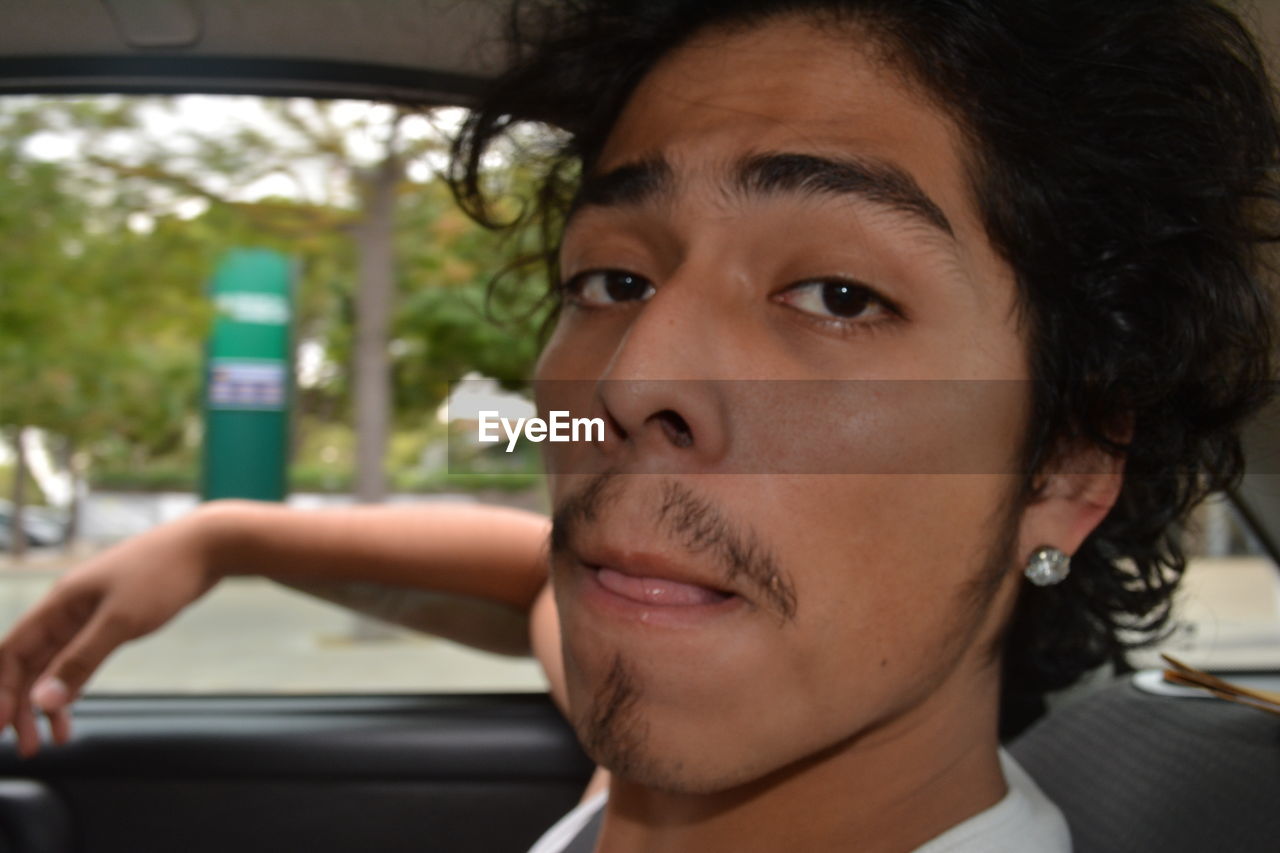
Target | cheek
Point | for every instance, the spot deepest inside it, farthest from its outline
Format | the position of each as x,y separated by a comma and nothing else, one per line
891,427
883,564
885,567
582,345
556,359
561,383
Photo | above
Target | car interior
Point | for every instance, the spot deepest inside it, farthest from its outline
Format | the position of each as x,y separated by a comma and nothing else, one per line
1132,771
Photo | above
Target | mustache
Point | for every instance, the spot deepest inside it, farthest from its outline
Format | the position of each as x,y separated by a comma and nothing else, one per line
697,526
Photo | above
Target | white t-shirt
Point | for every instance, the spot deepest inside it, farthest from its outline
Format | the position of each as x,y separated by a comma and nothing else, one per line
1024,821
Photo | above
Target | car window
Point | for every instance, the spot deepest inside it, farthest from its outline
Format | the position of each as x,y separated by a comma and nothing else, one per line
124,225
1227,612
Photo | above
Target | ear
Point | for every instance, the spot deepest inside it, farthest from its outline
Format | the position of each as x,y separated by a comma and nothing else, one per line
1071,499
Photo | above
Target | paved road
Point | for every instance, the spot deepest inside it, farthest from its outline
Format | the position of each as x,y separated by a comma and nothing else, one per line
250,635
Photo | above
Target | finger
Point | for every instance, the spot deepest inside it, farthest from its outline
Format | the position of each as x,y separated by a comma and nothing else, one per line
24,724
8,703
64,678
13,684
18,673
22,665
50,694
60,725
29,647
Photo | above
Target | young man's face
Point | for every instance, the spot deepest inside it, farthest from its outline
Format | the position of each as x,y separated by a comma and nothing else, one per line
778,204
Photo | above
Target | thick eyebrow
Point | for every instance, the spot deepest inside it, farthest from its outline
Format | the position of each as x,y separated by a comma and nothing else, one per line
629,185
875,181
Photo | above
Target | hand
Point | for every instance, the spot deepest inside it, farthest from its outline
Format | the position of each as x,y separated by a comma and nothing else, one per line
126,592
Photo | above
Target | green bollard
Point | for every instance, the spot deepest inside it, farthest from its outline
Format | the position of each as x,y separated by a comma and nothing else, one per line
248,382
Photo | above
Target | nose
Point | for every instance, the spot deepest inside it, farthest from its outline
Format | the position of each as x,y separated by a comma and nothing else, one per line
664,392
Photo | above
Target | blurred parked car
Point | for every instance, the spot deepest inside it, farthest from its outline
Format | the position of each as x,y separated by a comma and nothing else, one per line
44,526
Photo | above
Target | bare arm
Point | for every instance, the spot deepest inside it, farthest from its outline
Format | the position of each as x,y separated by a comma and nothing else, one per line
465,572
490,557
484,552
482,624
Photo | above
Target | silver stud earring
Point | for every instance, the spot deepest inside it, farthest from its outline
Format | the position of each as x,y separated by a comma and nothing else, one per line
1047,566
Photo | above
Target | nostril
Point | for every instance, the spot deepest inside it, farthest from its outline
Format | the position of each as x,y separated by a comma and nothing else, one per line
675,427
615,426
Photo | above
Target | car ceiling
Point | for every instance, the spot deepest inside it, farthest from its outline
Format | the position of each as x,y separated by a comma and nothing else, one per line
427,51
420,51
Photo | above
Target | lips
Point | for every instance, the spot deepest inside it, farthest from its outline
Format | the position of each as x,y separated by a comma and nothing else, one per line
627,587
657,592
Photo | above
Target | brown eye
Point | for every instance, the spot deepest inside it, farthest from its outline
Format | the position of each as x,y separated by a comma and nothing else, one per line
607,287
845,300
837,299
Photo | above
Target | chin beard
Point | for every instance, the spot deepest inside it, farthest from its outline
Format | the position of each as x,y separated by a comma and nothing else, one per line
610,727
615,734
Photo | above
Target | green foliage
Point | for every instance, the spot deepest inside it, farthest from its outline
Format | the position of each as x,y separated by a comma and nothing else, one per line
318,479
104,259
149,478
96,319
34,495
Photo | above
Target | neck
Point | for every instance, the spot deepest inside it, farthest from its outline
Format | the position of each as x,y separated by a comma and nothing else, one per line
886,790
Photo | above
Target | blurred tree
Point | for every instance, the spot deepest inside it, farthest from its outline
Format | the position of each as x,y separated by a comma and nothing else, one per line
460,312
308,176
393,279
96,320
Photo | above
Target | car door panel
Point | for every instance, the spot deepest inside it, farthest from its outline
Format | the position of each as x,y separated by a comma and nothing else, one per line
448,773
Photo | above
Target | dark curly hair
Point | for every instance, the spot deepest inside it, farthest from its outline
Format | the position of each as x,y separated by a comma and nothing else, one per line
1123,158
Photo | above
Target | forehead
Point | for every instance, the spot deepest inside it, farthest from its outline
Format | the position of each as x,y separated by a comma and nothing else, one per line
788,85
